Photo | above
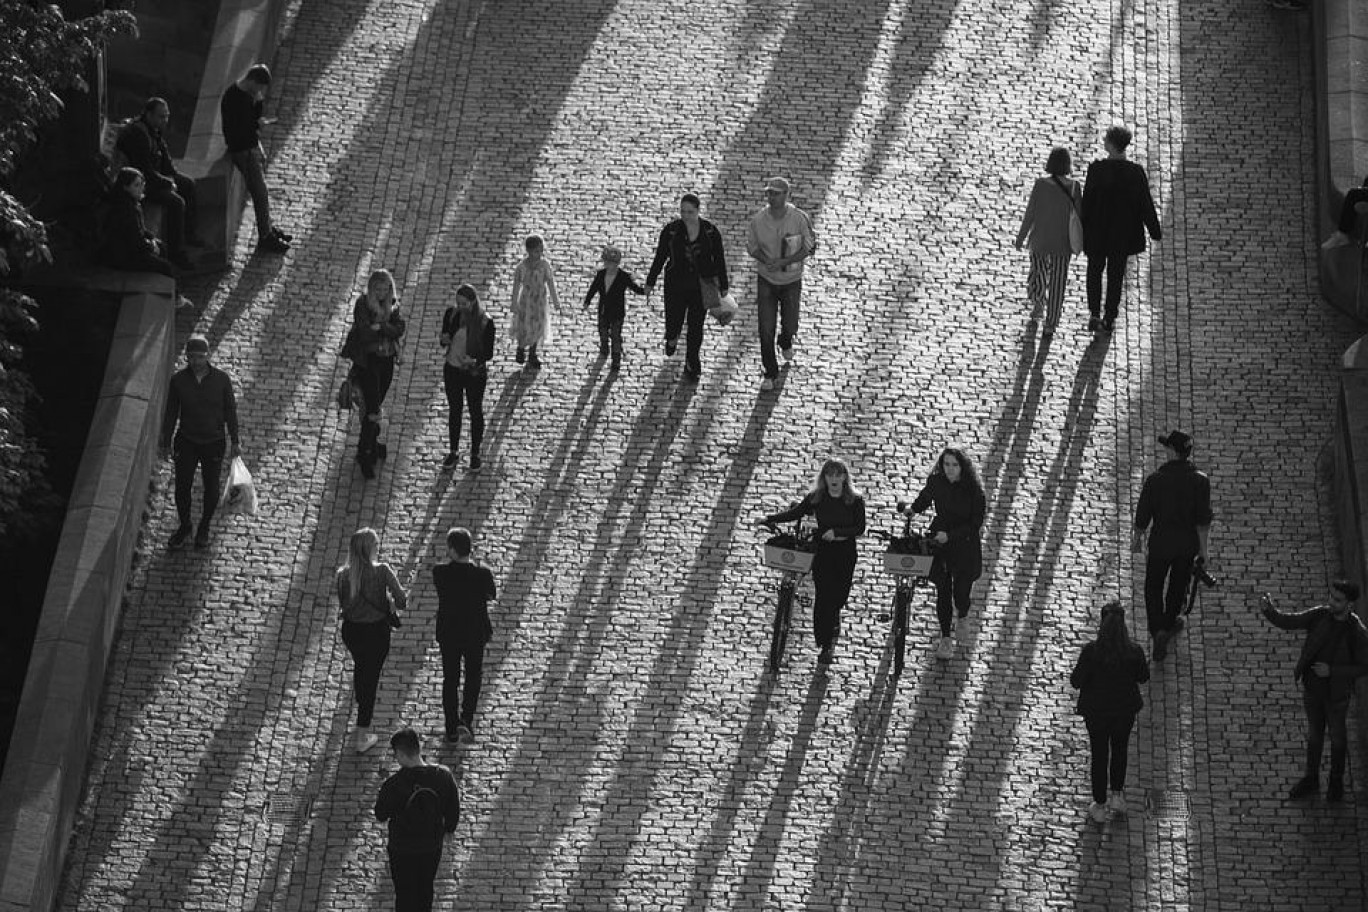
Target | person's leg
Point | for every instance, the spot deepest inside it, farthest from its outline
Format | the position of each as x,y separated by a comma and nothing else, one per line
945,597
373,646
842,578
1056,275
1175,598
697,316
615,339
413,874
384,376
186,460
452,385
789,298
451,685
676,306
1337,715
962,588
1317,715
1119,739
1156,570
173,207
473,654
824,590
767,318
1097,264
211,473
252,166
1099,741
185,189
1035,283
1116,276
474,394
366,381
604,325
425,879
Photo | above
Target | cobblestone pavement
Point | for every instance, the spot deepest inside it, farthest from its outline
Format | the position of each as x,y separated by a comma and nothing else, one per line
633,754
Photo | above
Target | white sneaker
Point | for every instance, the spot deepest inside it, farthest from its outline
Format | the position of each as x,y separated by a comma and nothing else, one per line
787,353
365,740
766,385
1098,812
946,648
961,628
1336,240
1117,802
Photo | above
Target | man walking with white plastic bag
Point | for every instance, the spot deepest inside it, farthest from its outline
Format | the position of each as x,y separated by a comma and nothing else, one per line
199,407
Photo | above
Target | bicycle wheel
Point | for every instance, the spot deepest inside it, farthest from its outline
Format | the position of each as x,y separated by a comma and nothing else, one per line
901,598
783,611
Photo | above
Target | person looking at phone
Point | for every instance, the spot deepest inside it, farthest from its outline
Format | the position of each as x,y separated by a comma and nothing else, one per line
840,513
954,489
1334,654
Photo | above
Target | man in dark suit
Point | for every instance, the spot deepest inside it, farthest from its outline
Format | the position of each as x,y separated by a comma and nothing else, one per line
1117,211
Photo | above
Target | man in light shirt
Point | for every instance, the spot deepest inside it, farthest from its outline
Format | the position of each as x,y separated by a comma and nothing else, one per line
780,238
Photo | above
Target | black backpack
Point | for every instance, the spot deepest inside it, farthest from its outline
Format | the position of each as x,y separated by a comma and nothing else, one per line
421,817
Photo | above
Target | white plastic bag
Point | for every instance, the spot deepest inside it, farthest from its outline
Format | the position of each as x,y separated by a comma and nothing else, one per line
242,495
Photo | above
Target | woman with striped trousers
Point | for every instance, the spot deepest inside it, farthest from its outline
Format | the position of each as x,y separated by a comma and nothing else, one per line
1046,223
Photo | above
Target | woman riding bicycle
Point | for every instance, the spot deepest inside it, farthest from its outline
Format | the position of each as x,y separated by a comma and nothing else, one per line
840,513
955,491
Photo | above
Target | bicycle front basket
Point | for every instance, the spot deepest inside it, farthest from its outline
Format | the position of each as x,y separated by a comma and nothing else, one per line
781,558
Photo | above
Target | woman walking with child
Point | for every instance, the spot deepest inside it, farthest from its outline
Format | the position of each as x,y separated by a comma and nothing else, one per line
468,338
534,294
690,253
611,284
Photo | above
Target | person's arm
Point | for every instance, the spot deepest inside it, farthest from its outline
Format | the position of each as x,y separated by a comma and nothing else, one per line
632,283
230,414
1142,669
1147,211
809,246
394,326
396,591
170,415
389,801
517,287
551,285
720,257
595,288
451,810
343,586
753,246
444,340
1204,515
924,499
487,351
1082,669
797,511
1289,620
662,256
491,590
1028,218
1144,514
364,323
856,528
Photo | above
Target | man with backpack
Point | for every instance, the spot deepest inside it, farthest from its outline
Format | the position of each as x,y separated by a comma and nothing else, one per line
421,803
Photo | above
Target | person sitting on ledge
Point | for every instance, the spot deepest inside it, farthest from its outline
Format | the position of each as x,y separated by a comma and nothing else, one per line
125,242
1344,235
143,143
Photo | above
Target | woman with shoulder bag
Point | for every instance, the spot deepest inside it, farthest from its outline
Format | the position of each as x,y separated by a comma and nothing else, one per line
468,338
1054,203
373,345
365,589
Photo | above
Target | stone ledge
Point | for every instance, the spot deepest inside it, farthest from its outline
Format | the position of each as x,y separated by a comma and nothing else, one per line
44,773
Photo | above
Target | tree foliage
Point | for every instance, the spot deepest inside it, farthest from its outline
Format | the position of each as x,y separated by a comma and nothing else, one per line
42,54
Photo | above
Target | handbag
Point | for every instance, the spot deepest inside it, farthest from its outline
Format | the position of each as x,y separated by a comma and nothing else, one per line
1075,221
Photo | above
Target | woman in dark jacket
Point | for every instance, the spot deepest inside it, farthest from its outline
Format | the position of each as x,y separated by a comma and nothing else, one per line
1117,210
954,489
690,252
125,242
468,337
373,346
840,513
1108,676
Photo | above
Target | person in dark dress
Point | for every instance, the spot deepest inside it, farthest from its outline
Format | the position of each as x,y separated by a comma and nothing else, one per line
840,513
1108,676
690,253
953,488
1117,211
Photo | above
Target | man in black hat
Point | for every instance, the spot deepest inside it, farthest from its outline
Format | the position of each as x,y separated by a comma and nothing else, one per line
1175,505
199,406
1333,656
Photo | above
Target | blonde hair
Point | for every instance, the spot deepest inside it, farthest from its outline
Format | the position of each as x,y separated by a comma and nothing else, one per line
830,467
378,277
361,553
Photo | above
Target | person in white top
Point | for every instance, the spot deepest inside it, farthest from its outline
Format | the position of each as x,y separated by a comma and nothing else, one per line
780,238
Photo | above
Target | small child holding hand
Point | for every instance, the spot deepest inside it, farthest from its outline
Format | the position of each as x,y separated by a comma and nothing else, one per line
611,284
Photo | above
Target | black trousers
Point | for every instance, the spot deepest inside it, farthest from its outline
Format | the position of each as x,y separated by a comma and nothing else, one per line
413,874
373,379
468,386
1114,264
833,571
1166,582
682,309
1323,713
1109,737
457,705
208,458
180,206
368,644
954,585
610,331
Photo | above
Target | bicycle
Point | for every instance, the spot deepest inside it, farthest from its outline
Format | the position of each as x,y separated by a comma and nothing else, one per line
791,553
908,560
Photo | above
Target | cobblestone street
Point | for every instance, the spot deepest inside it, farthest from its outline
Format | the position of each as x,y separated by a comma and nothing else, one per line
633,753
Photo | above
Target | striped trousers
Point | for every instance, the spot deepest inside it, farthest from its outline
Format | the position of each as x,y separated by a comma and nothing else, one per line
1045,285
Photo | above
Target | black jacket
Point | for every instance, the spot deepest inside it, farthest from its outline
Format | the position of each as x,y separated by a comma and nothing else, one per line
1176,498
846,520
1117,208
241,117
613,301
147,151
1343,645
463,594
684,263
1109,685
394,798
960,511
485,350
124,238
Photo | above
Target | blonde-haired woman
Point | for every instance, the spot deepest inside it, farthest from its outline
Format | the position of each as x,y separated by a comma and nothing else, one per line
840,513
373,345
371,599
468,337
